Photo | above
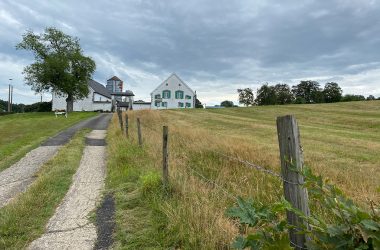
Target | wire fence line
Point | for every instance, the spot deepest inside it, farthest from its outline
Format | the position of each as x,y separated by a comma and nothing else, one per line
235,159
291,171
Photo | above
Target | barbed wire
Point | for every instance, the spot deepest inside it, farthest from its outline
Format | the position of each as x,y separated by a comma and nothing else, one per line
247,163
257,167
213,183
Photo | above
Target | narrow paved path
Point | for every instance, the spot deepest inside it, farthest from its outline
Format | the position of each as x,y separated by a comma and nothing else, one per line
20,175
70,227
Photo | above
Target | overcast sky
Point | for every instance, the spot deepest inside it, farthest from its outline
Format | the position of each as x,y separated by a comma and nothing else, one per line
214,46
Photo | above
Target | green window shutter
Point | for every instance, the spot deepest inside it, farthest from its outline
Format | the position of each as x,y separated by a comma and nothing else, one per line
166,94
179,94
188,97
188,105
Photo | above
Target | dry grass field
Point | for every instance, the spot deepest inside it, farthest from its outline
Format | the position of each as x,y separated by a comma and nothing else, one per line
340,141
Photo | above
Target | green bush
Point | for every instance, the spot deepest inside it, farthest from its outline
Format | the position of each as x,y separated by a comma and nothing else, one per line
350,227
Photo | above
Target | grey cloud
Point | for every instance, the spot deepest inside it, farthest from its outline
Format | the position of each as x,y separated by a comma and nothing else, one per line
211,44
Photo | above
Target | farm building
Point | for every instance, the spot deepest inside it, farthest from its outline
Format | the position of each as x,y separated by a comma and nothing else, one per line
99,98
173,93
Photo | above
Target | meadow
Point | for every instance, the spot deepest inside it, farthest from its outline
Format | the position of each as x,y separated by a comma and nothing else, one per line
340,141
21,132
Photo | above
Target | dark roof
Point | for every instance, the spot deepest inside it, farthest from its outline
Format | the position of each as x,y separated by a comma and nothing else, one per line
99,88
126,93
115,78
141,102
122,104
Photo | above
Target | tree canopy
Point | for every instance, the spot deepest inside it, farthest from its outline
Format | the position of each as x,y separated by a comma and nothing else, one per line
246,96
332,92
227,104
308,91
59,66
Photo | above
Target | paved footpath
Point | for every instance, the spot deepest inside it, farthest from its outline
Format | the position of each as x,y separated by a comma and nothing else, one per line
20,175
70,227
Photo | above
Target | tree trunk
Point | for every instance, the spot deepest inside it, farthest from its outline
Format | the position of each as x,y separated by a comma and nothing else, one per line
69,103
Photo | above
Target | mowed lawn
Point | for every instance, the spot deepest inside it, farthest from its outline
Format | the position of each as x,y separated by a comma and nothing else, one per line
20,133
341,141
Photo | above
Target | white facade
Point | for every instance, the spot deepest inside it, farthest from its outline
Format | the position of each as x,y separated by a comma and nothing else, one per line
141,106
173,93
92,102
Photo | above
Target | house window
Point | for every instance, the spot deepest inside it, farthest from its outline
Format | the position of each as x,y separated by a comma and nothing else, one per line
166,94
157,103
179,94
188,97
188,105
180,104
164,104
158,96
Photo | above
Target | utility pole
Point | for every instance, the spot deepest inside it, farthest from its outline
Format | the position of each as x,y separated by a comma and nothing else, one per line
10,101
9,98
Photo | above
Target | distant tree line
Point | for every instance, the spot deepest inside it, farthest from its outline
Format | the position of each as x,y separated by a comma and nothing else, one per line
303,93
20,108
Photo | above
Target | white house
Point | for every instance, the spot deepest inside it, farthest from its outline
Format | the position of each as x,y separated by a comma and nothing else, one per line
99,98
173,93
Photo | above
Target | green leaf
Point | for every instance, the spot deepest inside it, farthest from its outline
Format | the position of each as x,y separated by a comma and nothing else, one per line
371,225
245,212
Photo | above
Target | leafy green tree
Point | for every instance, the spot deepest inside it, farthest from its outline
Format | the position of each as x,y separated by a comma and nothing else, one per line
227,104
246,96
332,92
198,104
59,66
351,98
308,91
284,94
371,98
266,95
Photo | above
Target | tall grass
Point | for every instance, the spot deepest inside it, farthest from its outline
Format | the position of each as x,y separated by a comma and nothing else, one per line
195,211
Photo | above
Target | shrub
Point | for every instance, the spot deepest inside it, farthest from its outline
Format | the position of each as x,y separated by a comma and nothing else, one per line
351,228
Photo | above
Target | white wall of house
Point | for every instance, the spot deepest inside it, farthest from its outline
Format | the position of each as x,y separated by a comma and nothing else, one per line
173,93
141,106
87,104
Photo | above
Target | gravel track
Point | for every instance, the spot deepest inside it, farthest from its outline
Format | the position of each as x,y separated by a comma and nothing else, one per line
70,227
20,175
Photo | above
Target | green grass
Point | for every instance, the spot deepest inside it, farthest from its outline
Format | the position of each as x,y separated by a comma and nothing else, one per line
138,196
25,217
341,141
20,133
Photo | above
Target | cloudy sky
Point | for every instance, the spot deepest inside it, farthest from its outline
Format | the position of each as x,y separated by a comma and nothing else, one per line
215,46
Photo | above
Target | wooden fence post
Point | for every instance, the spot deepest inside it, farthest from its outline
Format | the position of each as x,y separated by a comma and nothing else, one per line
165,170
139,131
119,114
291,164
126,124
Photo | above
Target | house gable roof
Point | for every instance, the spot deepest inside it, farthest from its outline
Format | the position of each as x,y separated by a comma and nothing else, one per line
173,75
99,88
115,78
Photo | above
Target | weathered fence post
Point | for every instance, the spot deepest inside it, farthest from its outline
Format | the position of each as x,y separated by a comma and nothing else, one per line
139,131
165,170
126,124
291,164
119,114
